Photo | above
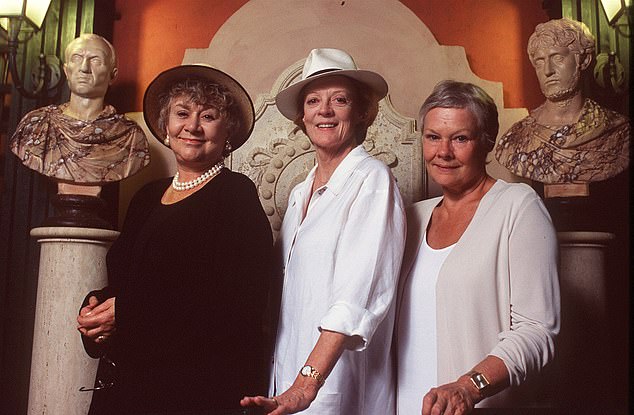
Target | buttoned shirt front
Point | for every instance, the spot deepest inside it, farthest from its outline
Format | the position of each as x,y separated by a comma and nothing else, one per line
342,258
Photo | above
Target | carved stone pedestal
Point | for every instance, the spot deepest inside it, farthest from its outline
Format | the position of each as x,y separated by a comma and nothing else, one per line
582,343
72,263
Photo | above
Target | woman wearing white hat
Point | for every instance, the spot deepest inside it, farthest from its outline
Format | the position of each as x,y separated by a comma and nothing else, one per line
341,244
192,265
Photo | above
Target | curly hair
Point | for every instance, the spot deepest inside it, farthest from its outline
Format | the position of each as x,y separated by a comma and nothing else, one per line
565,33
204,93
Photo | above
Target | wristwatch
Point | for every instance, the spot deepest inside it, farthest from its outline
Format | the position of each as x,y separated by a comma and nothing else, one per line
479,381
310,372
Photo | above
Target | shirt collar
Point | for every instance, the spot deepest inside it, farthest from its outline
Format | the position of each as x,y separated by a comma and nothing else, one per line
339,176
344,169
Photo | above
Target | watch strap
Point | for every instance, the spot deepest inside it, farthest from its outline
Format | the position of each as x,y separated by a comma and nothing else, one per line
311,372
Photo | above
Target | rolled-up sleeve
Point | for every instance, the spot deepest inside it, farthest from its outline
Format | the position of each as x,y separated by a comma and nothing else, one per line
368,259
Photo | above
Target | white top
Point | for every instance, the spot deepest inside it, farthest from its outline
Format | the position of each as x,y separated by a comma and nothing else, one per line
341,269
417,366
497,291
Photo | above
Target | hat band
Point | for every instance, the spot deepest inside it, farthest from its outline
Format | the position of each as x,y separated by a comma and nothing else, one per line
323,71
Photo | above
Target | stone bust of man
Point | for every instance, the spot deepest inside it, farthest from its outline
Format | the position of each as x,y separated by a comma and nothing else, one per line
83,143
568,141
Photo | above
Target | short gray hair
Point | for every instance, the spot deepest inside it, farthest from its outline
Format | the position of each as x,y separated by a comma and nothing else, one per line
455,94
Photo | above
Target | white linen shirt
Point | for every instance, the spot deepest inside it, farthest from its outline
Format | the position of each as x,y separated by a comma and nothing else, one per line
342,261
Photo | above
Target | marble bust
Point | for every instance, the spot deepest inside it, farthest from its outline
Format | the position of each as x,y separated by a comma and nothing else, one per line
83,143
569,140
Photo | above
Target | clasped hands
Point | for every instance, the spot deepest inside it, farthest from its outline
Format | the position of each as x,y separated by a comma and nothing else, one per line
97,320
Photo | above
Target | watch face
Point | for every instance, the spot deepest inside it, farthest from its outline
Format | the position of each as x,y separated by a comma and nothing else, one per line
306,370
480,381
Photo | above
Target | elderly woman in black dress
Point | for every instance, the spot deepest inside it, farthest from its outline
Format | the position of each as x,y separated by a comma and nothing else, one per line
182,317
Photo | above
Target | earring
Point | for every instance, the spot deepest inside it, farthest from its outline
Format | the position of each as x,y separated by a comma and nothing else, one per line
167,140
228,147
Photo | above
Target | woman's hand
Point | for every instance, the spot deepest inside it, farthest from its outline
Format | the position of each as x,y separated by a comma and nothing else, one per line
454,398
295,399
304,389
268,404
460,397
97,321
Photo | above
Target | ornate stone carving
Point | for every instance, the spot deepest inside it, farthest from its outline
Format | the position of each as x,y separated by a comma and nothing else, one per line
569,141
387,37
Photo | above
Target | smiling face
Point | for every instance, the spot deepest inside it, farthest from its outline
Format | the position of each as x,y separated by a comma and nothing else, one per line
89,67
330,116
558,72
452,151
197,134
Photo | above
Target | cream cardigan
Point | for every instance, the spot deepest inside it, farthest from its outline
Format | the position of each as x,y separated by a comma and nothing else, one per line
498,290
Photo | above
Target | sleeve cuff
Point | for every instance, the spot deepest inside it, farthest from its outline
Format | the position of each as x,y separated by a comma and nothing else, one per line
515,376
350,320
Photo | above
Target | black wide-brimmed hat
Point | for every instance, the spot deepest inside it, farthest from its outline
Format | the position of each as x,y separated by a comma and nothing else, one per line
161,84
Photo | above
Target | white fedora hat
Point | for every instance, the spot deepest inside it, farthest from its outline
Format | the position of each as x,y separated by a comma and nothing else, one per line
327,62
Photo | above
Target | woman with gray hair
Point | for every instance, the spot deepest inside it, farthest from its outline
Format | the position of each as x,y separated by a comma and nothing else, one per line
478,306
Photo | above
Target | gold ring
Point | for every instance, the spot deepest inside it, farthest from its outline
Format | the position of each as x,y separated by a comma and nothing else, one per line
101,338
276,402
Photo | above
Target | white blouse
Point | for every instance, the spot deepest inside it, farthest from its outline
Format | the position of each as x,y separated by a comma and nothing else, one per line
417,351
342,262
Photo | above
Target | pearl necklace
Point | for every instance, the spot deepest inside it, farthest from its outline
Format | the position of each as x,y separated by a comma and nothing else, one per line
212,172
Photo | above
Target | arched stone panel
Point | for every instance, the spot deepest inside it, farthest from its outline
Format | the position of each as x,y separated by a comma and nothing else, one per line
258,46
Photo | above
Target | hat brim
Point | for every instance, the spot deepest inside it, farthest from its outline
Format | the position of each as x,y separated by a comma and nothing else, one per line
161,84
286,99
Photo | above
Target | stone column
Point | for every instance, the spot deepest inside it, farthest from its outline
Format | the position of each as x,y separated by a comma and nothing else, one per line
581,352
582,257
72,263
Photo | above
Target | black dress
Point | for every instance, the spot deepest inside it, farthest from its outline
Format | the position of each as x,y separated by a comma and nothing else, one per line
191,282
